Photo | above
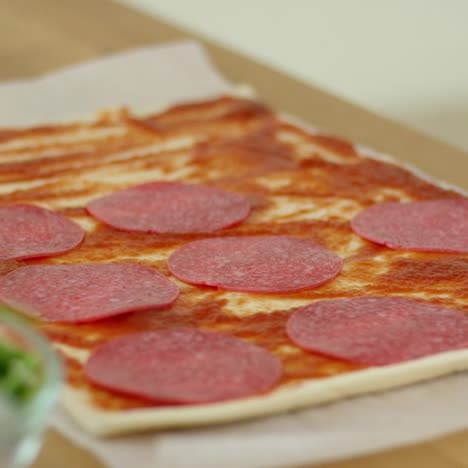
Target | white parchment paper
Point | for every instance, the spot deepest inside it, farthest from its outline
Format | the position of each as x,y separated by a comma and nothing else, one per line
149,78
143,78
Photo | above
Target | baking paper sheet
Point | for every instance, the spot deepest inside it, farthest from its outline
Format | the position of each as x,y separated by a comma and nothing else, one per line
148,79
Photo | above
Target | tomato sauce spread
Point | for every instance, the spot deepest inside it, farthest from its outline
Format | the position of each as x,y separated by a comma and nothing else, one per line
299,183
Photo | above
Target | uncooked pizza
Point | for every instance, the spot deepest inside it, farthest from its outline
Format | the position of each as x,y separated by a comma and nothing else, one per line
214,262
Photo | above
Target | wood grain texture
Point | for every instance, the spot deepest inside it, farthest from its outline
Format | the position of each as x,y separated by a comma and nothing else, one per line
40,36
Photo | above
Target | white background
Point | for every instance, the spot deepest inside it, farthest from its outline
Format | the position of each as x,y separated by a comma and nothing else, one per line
406,59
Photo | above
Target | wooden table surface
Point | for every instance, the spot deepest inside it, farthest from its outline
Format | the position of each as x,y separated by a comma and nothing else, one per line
43,35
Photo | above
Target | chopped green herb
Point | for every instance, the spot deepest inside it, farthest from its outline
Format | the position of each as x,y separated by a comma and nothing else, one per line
20,373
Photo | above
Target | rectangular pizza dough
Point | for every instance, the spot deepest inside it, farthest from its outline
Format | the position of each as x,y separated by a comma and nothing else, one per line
63,167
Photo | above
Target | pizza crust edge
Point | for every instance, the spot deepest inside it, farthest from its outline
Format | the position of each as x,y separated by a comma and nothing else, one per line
293,396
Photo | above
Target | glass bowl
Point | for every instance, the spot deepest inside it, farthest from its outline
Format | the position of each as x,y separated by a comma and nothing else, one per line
24,417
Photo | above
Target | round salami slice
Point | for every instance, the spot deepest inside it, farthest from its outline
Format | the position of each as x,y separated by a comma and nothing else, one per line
86,292
429,226
377,330
264,264
28,231
183,365
169,207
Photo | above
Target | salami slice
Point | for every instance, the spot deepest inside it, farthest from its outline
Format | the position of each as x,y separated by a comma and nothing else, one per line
183,365
429,226
377,330
268,264
168,207
28,231
86,292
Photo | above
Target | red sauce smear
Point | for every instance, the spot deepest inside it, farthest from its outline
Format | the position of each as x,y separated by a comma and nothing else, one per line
238,142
